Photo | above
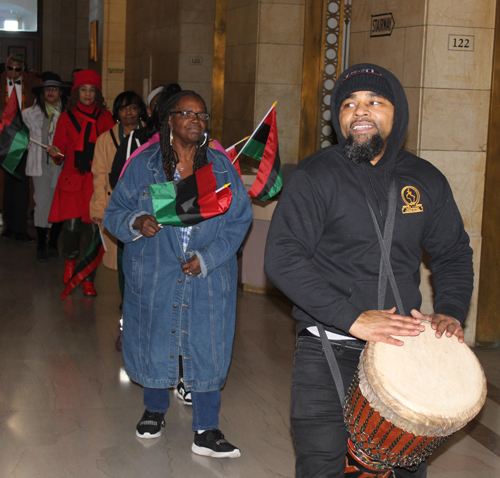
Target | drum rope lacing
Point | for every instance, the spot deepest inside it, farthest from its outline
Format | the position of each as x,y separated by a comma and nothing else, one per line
384,458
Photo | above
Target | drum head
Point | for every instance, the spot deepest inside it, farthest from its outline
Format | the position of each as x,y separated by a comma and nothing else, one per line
429,386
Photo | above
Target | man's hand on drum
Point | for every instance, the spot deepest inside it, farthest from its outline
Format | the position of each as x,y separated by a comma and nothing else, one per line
147,225
381,325
442,324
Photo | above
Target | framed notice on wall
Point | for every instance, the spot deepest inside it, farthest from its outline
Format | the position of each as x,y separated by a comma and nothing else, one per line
93,40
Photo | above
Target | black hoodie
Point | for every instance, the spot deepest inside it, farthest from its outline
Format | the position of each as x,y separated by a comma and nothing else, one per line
322,250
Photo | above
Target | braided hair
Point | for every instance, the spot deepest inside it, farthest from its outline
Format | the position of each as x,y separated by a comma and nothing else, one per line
169,155
153,125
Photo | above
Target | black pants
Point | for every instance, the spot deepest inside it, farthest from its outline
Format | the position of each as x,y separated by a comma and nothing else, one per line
78,236
318,426
16,199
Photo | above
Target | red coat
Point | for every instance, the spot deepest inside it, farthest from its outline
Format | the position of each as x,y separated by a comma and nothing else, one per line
73,190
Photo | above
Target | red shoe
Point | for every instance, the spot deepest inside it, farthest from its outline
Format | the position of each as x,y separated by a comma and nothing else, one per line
69,270
88,289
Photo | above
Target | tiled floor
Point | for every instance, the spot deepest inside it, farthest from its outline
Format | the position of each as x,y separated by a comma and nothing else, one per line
67,409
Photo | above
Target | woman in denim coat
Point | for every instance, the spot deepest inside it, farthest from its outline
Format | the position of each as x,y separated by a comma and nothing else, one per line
180,283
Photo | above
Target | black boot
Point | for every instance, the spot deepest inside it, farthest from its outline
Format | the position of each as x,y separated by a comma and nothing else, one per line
55,230
41,251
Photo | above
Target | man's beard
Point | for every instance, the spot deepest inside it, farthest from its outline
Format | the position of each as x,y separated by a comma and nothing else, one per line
363,152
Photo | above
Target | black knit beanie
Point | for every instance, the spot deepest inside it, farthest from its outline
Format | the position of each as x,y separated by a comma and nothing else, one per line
363,79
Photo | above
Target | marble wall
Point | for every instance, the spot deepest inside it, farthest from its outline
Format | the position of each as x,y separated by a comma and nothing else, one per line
170,41
65,40
448,93
197,46
264,43
151,56
241,69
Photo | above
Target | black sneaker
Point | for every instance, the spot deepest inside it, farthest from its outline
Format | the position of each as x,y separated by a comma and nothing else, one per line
183,394
212,443
150,425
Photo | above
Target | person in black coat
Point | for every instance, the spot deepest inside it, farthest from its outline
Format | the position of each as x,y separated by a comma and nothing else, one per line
138,137
323,252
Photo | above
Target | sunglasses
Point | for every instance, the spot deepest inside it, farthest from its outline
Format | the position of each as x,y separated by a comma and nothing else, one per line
10,68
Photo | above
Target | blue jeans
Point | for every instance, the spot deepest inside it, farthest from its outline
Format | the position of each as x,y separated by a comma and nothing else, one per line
318,426
206,406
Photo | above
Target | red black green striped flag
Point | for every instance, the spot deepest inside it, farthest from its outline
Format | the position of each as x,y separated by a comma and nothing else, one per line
89,263
190,200
263,146
232,154
14,135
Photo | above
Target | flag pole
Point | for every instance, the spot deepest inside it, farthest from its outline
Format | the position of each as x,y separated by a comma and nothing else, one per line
138,237
102,239
236,144
265,116
225,186
44,145
240,141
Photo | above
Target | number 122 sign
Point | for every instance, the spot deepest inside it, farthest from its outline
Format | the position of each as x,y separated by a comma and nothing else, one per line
461,42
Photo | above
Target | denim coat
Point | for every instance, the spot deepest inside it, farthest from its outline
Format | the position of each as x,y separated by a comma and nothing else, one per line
165,312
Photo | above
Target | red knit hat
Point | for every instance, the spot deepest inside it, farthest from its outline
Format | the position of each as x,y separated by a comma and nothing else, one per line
87,77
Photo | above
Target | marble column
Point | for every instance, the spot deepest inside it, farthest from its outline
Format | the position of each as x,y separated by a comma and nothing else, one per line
111,15
264,43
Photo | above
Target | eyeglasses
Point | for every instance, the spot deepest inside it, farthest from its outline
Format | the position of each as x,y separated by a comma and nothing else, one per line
52,88
10,68
191,114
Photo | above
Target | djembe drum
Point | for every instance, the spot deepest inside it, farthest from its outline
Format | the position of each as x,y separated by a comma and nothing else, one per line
404,402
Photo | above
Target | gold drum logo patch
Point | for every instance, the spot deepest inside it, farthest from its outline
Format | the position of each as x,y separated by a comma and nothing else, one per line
411,197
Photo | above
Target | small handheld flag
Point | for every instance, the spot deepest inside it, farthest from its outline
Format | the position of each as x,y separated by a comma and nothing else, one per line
89,263
190,200
44,145
14,135
263,146
231,153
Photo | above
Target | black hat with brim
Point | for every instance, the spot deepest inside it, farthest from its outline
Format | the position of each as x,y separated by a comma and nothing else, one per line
51,79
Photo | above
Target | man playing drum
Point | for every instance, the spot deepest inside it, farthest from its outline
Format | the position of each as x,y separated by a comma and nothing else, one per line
323,252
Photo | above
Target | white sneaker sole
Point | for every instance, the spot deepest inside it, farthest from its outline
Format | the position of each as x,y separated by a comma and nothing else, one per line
215,454
180,397
147,436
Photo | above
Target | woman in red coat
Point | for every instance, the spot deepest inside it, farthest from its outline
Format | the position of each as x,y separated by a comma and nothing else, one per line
74,142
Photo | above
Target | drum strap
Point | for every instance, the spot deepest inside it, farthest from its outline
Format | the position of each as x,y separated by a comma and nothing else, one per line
332,363
385,273
385,248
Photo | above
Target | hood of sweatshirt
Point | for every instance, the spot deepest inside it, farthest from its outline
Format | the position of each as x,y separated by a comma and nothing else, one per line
374,179
400,124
